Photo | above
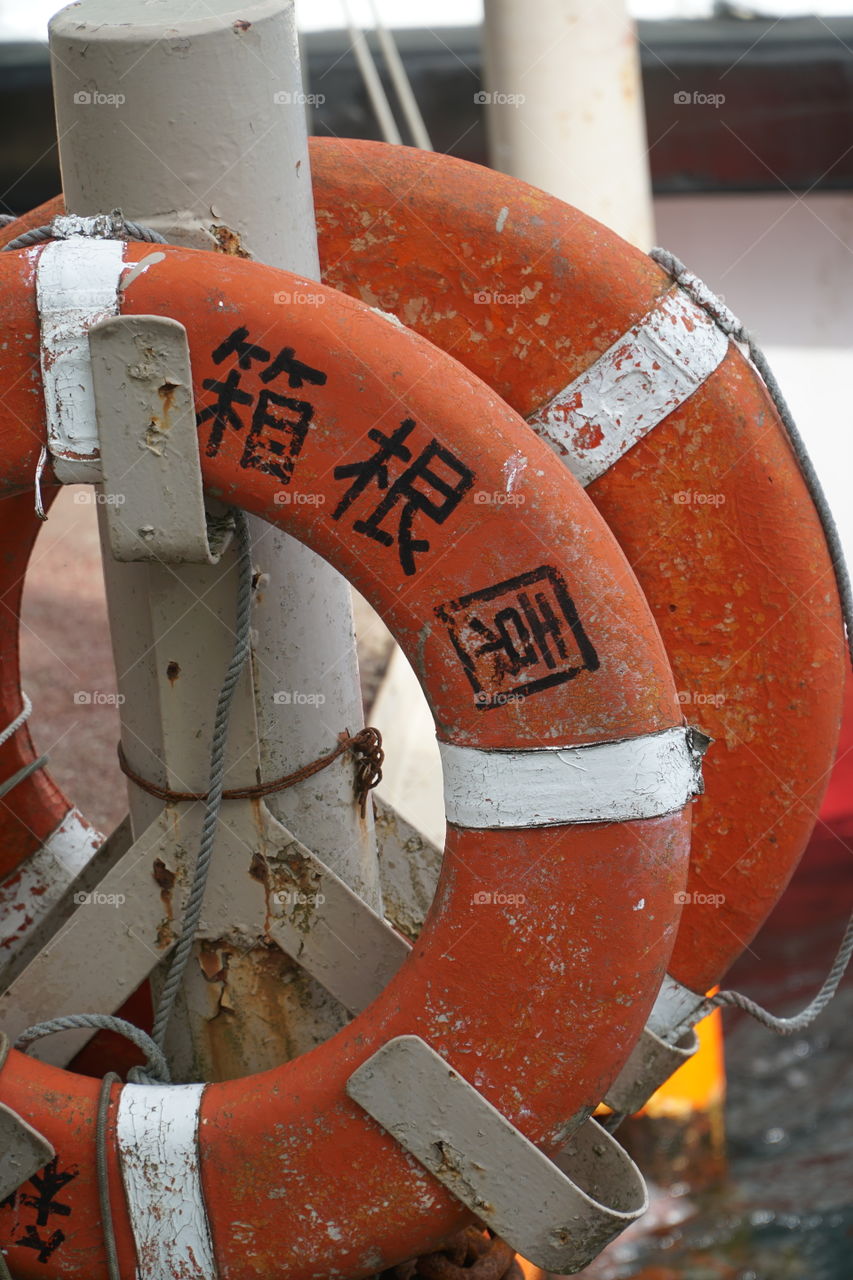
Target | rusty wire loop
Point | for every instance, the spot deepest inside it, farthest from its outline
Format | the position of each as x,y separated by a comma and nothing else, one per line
469,1255
365,747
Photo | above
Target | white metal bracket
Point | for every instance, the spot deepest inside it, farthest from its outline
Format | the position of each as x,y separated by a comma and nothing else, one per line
290,896
650,1065
145,413
667,1042
559,1214
23,1151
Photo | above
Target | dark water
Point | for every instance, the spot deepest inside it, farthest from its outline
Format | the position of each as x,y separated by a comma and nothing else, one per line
784,1210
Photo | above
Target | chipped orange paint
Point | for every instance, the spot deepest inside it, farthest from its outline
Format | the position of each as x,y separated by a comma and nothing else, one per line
538,1003
742,590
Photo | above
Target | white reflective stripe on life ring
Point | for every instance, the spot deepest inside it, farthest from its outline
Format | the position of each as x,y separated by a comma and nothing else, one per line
157,1137
632,387
643,777
77,285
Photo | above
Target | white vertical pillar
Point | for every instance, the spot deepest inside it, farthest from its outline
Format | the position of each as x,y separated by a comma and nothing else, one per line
565,109
191,120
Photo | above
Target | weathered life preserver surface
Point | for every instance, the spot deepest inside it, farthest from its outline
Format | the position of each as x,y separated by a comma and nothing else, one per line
537,1001
709,505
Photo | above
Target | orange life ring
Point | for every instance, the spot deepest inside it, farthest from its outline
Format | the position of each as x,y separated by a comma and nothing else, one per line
709,506
739,580
531,637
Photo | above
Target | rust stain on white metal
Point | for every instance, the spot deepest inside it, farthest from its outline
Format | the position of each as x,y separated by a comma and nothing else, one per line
157,1138
632,387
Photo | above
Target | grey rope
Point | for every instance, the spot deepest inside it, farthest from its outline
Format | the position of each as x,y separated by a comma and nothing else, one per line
6,218
34,765
20,719
24,772
729,323
156,1069
101,1168
103,1174
107,226
193,907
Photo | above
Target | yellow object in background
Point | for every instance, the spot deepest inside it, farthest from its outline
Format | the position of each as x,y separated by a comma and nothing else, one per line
701,1083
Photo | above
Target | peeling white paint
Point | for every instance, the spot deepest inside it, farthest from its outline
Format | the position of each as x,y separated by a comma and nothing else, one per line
36,886
513,469
77,285
632,387
642,777
139,268
501,220
389,316
156,1132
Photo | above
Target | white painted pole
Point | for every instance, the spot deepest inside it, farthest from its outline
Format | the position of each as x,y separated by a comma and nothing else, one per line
566,106
191,120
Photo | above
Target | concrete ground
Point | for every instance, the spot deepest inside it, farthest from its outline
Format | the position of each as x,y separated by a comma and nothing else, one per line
65,651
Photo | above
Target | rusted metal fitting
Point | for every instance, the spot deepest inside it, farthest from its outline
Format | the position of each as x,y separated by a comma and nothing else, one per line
472,1254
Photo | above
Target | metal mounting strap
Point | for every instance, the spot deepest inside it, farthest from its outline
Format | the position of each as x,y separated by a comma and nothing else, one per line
145,412
558,1214
650,1065
665,1045
23,1151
